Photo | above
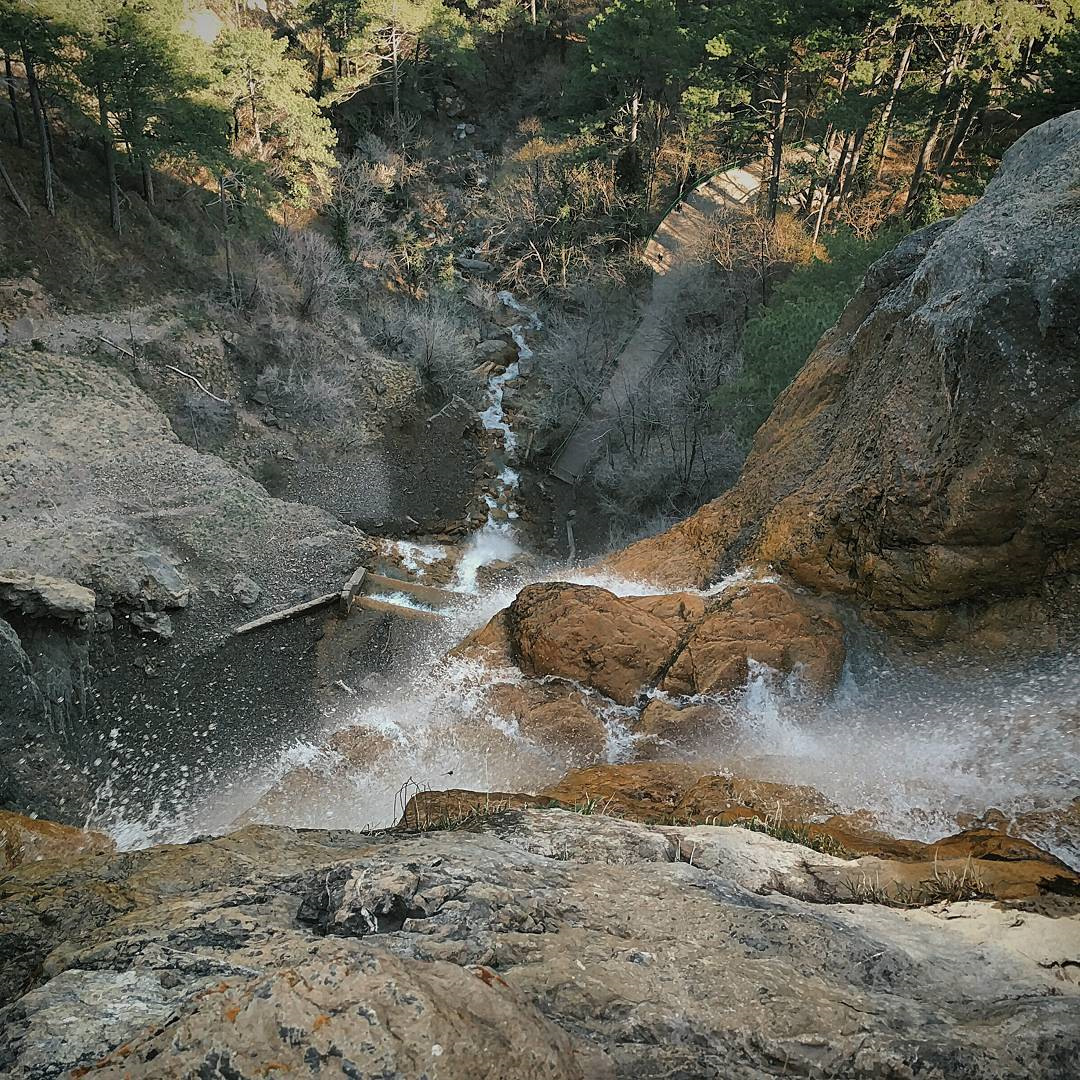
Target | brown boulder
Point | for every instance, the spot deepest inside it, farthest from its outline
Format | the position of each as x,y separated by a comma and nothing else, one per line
764,622
589,635
456,806
305,786
24,840
712,797
663,724
489,644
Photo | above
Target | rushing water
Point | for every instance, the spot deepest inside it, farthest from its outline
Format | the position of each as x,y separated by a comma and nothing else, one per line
918,744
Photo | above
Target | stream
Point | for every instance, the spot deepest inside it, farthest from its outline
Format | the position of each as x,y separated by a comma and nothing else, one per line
919,745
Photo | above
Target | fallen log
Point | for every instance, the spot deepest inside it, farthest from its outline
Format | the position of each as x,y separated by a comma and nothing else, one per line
369,603
288,613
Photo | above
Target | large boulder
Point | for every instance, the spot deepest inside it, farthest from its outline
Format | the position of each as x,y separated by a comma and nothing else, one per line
589,635
923,463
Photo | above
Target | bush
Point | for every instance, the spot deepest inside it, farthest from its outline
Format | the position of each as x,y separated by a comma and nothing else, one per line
777,342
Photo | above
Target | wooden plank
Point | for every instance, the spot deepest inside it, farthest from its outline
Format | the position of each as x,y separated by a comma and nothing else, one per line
288,613
427,593
350,589
370,603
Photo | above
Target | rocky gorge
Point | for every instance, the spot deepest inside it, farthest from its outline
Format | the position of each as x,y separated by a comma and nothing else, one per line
608,855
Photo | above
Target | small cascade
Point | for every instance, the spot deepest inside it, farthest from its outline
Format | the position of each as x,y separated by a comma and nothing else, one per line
495,540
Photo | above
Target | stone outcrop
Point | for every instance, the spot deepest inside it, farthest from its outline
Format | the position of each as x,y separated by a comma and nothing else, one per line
539,943
923,462
41,596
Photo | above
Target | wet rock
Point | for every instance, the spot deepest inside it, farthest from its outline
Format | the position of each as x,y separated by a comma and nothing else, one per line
643,792
591,636
456,806
766,623
716,797
245,590
24,839
41,596
923,461
556,717
667,726
497,352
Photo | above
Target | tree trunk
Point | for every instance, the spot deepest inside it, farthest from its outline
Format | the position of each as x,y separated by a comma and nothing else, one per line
256,131
395,45
42,122
148,185
229,280
320,69
961,127
780,118
110,161
12,190
926,151
885,120
847,183
20,135
635,115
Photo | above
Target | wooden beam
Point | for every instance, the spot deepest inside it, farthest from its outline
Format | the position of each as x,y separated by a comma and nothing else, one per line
350,589
369,603
427,593
288,613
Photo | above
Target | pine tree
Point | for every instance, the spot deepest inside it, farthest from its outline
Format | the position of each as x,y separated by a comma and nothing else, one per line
274,119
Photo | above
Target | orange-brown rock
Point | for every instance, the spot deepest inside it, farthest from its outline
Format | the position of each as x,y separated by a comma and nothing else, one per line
765,622
308,785
710,797
489,644
677,609
665,726
923,461
927,881
553,715
643,791
24,840
440,809
589,635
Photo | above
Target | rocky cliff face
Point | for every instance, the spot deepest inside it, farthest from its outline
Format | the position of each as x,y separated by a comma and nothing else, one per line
923,464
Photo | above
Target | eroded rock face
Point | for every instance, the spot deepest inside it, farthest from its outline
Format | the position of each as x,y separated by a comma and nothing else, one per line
765,623
923,461
538,943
